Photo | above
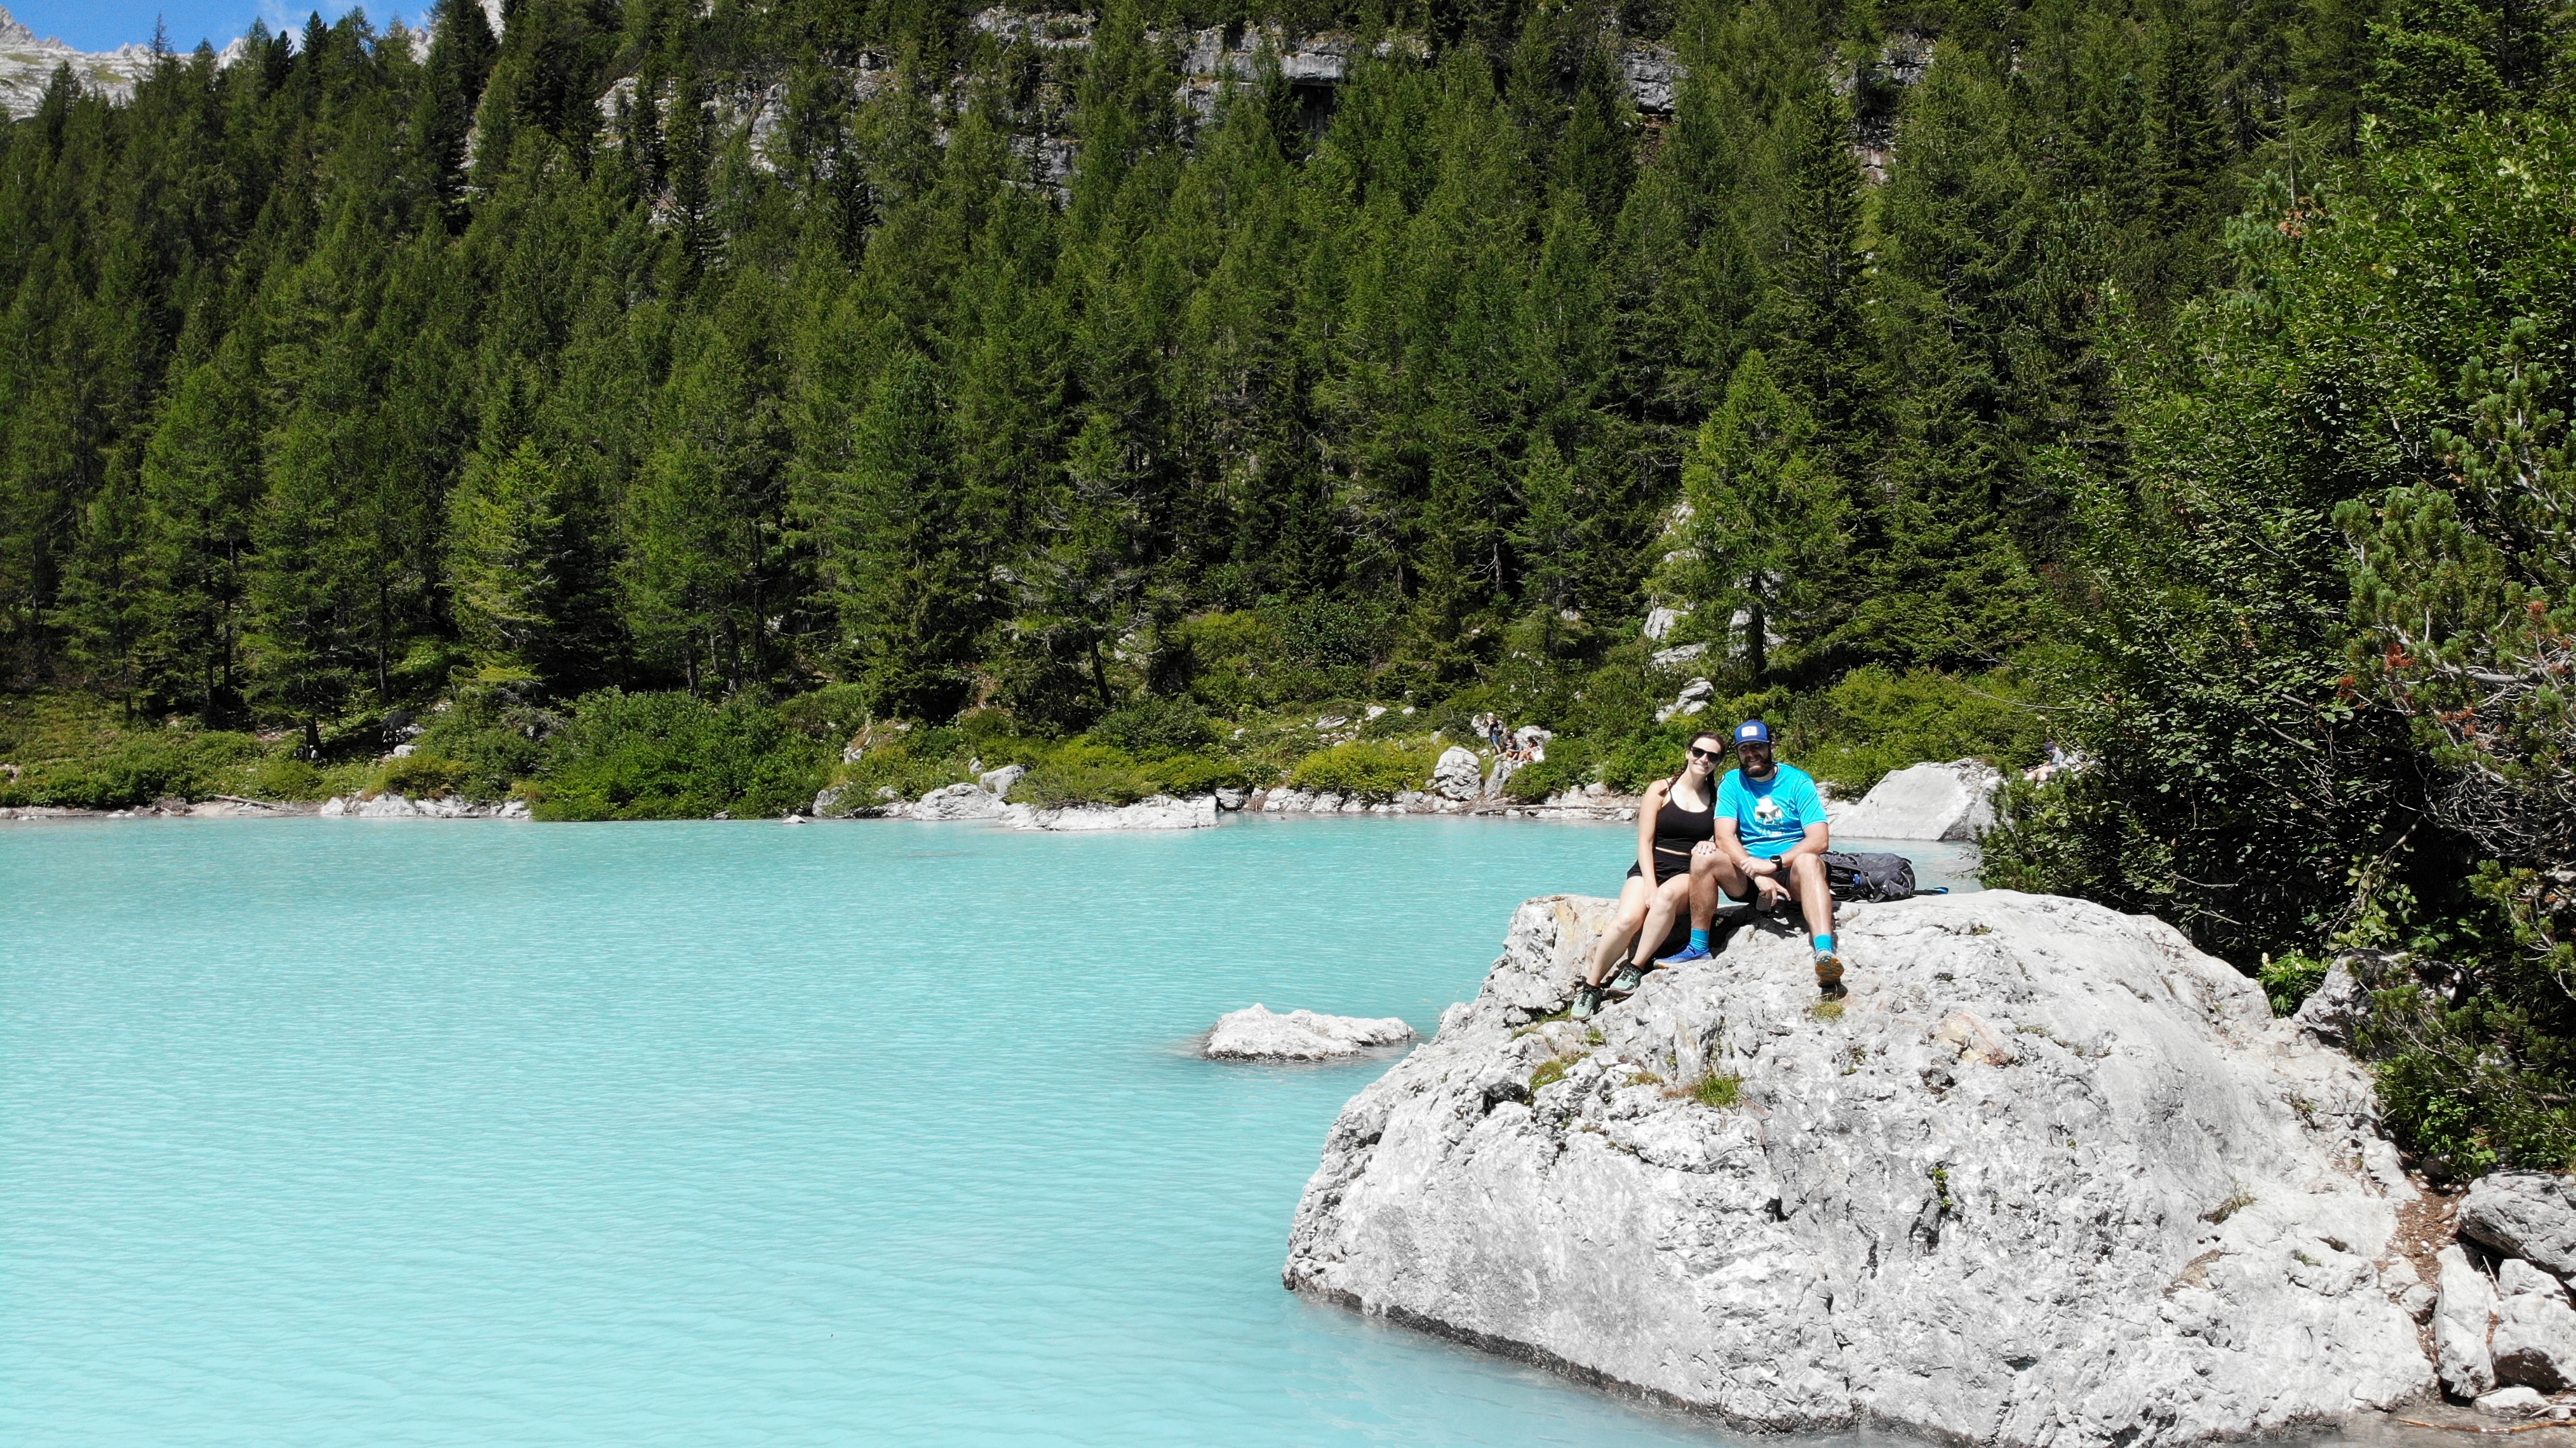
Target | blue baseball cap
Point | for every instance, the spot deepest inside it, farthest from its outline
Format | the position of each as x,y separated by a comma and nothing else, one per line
1752,731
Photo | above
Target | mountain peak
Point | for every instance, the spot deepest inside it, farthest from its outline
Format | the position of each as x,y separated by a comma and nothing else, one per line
16,36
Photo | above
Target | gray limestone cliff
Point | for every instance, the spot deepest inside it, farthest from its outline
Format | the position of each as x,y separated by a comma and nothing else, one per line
27,65
2049,1176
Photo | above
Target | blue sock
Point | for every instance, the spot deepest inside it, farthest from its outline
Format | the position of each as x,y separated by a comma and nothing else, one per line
1824,945
1699,939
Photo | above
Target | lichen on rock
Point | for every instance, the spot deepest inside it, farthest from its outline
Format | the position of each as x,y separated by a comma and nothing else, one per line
2052,1177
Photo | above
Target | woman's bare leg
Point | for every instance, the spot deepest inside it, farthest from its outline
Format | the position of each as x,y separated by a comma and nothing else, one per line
1622,928
1670,897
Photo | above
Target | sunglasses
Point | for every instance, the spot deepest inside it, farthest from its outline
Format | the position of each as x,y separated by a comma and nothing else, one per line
1710,754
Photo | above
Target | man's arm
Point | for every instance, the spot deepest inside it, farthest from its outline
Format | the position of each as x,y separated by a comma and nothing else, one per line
1818,839
1729,843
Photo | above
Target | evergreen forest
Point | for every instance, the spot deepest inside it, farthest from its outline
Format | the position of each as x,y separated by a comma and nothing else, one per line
673,409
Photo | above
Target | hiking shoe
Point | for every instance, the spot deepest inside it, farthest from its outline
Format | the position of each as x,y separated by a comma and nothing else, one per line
1587,999
1627,980
1829,976
1687,955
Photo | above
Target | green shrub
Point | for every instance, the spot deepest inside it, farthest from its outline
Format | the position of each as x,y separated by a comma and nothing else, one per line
672,756
285,777
1333,632
1568,766
1084,773
135,769
2475,1087
990,729
1394,724
1155,727
1230,660
1636,762
829,714
2288,979
1188,774
421,776
1875,721
495,736
909,772
1367,766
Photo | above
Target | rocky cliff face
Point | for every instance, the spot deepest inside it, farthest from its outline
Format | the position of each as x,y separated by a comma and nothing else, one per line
2049,1176
27,66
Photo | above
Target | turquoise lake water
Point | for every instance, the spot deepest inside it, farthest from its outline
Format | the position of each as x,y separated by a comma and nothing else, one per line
322,1132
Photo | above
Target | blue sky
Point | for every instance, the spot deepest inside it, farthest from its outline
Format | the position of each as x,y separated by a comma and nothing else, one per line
107,24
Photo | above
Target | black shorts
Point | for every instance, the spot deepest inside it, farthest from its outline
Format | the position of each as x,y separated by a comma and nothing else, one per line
1668,866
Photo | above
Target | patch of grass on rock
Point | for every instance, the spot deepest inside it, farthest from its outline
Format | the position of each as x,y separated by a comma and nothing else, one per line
1550,1071
1718,1091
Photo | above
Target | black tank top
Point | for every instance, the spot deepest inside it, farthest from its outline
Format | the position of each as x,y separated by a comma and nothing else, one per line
1677,829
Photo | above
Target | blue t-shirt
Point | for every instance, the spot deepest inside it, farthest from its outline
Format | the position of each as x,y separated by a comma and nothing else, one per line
1770,815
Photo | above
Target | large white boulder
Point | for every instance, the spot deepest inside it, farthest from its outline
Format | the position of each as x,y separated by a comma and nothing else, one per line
1158,812
1458,775
956,802
392,806
2534,1343
1953,801
2462,1319
2049,1176
1257,1033
2526,1214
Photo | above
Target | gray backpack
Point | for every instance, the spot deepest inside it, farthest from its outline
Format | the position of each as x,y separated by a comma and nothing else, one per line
1869,877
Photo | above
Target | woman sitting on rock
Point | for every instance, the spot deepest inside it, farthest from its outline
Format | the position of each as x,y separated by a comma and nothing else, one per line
1677,820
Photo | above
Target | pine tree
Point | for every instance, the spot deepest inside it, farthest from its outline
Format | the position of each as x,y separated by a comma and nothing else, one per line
461,49
504,531
200,485
105,614
1819,338
1763,566
901,551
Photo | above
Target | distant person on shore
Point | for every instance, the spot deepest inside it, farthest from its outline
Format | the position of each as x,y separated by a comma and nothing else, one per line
1494,736
1676,860
1772,835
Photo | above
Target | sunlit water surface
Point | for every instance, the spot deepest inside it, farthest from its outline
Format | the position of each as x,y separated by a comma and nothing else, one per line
356,1132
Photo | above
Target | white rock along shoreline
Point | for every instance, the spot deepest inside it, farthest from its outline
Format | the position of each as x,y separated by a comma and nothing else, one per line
1937,802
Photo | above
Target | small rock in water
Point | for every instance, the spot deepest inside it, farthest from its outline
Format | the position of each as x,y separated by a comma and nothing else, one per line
1257,1033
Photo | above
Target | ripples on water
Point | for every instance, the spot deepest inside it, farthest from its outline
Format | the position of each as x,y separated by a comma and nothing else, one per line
357,1132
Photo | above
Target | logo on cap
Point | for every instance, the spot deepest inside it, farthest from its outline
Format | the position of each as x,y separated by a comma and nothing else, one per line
1753,731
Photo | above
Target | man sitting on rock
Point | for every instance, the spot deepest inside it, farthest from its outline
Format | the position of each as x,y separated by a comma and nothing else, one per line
1771,843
